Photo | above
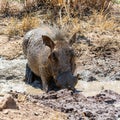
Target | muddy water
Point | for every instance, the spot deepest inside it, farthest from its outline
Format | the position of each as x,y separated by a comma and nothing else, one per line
17,85
87,88
12,75
93,88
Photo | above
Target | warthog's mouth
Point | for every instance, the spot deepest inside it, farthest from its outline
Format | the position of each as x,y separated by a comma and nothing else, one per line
66,80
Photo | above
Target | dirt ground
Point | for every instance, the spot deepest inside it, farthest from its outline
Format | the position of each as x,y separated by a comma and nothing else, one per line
61,105
96,61
27,110
105,105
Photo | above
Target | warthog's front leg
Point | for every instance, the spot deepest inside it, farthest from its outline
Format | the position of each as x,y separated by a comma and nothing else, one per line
29,75
45,84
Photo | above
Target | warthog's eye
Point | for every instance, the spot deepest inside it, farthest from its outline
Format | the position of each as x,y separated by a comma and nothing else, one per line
53,57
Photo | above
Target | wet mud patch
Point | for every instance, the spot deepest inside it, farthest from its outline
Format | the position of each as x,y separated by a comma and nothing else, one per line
103,106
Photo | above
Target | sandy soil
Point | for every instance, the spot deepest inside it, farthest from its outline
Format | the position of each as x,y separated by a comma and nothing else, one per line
27,110
10,48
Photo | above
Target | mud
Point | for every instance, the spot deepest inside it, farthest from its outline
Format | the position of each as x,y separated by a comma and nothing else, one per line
103,106
16,107
12,74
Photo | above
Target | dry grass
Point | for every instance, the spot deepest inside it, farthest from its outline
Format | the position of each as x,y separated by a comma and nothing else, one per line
79,7
4,6
97,22
19,28
10,7
102,21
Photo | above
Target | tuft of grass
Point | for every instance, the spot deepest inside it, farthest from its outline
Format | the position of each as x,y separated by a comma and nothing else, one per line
19,28
28,23
97,22
102,21
4,7
11,7
12,27
117,1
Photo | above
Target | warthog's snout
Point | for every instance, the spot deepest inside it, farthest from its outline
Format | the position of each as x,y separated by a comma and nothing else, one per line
66,80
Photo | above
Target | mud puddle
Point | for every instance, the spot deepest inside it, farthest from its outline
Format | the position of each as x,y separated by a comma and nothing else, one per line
12,73
87,88
18,86
94,87
103,106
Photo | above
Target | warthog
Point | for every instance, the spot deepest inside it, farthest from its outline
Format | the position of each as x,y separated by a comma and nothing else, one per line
50,57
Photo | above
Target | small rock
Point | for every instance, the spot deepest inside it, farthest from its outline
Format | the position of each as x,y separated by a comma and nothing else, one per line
21,98
88,114
91,78
8,102
36,114
5,111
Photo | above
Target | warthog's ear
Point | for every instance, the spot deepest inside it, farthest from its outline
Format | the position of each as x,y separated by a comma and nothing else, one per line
72,39
48,42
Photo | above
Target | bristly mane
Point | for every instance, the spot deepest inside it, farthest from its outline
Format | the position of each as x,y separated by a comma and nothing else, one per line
60,33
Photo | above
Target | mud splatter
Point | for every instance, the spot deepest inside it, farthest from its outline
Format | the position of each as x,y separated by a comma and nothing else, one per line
78,107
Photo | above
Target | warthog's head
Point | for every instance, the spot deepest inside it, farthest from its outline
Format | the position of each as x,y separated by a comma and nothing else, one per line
62,62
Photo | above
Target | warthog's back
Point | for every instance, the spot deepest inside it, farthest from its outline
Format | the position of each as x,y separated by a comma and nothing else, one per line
33,37
34,49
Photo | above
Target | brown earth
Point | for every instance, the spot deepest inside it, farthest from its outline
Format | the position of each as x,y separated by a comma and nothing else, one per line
61,105
105,105
26,110
10,48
